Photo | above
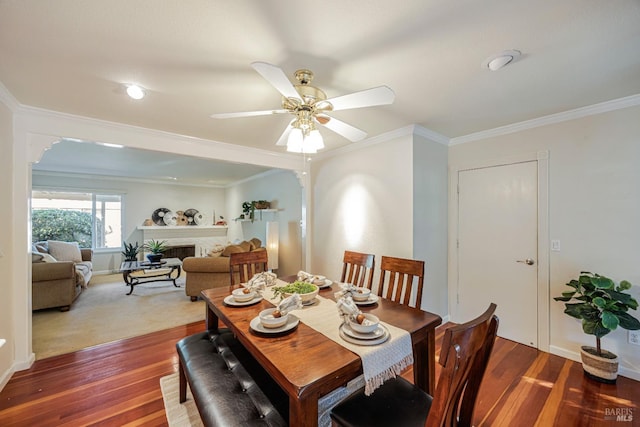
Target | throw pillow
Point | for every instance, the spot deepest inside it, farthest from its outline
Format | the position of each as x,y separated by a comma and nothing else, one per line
255,243
232,249
216,251
246,246
36,257
65,251
48,258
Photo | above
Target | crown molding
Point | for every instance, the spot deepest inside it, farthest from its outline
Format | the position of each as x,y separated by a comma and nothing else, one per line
602,107
65,125
432,135
8,99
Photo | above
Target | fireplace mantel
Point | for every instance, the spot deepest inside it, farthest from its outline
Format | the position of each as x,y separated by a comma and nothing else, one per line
204,237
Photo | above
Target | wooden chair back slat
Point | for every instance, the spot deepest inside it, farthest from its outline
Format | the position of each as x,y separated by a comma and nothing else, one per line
397,279
245,264
358,268
464,356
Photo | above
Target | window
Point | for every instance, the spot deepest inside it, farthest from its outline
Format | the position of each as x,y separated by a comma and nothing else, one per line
94,220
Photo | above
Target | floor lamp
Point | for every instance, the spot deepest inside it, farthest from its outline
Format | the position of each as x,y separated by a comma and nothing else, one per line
273,239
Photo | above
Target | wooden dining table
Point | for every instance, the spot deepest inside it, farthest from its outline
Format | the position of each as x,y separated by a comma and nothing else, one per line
308,365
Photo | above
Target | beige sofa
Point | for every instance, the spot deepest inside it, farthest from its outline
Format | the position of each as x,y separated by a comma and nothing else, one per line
58,282
213,271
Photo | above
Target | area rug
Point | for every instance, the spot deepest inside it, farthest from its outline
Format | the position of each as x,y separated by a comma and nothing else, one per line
178,414
104,313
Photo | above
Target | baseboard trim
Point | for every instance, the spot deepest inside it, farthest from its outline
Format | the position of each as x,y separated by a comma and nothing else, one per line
15,367
575,356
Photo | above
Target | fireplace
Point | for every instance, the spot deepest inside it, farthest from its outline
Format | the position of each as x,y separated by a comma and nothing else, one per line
180,251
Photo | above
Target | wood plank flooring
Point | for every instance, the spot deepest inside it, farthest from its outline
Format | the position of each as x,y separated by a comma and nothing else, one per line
117,384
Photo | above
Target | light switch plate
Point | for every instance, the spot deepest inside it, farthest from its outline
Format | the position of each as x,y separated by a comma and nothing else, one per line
555,245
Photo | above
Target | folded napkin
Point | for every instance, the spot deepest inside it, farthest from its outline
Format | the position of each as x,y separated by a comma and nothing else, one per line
293,302
303,276
346,289
260,281
347,308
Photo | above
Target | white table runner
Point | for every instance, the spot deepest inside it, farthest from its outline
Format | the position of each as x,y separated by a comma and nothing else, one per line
379,362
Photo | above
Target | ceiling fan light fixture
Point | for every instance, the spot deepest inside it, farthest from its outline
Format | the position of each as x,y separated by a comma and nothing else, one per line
501,60
314,140
135,92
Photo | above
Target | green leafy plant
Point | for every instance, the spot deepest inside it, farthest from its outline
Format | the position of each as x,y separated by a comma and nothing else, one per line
155,246
600,304
130,251
248,209
63,225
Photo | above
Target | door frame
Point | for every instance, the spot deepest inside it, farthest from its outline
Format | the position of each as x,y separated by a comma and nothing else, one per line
542,160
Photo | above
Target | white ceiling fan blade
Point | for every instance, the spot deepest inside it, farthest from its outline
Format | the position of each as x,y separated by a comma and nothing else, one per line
381,95
285,135
277,78
247,114
352,133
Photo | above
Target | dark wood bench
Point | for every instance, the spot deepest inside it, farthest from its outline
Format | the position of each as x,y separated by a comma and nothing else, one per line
229,387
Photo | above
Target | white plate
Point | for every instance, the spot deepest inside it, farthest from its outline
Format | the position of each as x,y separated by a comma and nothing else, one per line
378,333
310,302
327,283
230,300
358,341
170,218
256,325
371,300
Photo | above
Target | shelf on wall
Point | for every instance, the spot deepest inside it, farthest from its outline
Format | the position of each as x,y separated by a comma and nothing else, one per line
255,218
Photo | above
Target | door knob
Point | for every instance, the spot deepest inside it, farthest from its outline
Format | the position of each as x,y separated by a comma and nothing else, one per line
527,261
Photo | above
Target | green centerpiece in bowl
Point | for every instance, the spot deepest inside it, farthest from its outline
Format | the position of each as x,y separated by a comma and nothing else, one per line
307,291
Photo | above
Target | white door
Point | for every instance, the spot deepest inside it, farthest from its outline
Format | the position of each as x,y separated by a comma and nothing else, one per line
497,247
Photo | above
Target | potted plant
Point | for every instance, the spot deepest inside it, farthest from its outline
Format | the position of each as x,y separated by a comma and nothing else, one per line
130,251
156,247
248,210
602,306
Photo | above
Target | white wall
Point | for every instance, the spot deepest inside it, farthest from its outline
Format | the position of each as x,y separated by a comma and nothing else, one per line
430,216
594,207
362,200
7,331
283,190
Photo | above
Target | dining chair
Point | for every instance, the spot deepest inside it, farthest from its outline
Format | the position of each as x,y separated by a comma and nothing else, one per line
244,265
357,268
464,356
397,279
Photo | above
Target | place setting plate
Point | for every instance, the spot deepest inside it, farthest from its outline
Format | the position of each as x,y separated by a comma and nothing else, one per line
327,284
376,337
256,326
229,300
369,301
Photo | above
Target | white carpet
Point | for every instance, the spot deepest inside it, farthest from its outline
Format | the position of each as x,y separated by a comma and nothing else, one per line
104,313
178,415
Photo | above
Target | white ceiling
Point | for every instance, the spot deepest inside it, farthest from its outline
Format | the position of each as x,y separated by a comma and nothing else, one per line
194,57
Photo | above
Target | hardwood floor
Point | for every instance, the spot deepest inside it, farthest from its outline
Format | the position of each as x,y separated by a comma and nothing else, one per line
117,384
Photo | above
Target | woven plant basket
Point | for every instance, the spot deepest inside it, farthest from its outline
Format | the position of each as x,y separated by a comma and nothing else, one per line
263,205
601,368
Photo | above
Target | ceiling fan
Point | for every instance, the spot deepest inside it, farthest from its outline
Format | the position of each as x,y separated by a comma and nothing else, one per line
309,106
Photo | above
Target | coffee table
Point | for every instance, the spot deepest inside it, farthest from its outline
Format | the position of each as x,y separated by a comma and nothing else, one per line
138,272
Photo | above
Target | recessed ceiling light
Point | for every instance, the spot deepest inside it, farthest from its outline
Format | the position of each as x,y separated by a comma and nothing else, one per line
500,60
135,91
